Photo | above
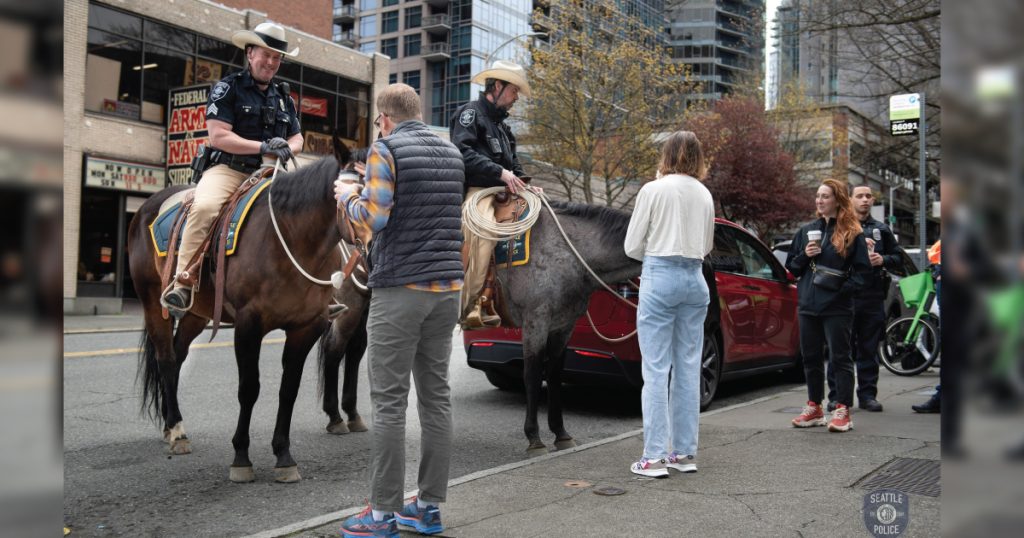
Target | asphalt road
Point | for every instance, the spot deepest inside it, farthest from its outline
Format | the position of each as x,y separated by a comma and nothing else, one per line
120,480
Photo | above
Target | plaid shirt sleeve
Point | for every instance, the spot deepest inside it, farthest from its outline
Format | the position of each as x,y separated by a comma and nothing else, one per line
372,207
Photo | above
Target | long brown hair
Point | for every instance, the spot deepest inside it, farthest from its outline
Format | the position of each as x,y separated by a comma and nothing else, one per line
682,154
847,223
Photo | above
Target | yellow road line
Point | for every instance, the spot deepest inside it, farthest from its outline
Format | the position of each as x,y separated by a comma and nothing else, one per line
132,350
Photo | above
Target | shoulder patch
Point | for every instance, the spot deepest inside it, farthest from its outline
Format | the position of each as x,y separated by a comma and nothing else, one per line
212,110
220,90
467,117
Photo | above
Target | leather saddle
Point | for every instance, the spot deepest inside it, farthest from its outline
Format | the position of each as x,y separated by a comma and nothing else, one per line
508,207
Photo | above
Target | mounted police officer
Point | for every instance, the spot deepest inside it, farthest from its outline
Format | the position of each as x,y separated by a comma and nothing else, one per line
249,118
488,149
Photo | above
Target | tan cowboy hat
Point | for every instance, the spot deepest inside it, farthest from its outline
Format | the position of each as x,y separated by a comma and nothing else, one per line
510,72
267,35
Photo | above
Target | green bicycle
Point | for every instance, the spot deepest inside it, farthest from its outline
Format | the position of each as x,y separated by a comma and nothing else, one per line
911,344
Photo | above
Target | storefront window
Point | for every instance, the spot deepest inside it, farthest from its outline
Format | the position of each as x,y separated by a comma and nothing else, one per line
163,69
113,75
168,36
115,22
316,120
98,243
352,122
219,50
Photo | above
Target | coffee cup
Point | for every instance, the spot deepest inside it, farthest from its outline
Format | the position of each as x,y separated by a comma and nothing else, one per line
814,236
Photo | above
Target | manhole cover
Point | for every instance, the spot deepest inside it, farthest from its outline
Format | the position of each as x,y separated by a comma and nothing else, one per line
609,491
908,475
577,484
790,410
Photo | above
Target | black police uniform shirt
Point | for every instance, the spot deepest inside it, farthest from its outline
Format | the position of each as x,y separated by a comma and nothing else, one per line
487,144
877,282
252,113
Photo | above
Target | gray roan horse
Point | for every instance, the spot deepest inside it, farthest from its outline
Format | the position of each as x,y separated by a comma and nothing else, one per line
546,296
263,292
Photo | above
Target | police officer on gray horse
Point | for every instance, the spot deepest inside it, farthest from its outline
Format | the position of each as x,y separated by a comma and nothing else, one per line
249,118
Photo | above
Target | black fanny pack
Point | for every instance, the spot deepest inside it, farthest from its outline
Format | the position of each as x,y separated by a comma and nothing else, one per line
828,278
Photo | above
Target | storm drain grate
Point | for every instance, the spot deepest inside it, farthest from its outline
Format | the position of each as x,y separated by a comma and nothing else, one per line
909,475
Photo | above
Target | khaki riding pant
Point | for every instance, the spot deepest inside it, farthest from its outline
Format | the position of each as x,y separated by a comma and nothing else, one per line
213,191
480,251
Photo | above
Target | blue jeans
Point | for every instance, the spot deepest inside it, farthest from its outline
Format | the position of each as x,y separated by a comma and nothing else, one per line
670,324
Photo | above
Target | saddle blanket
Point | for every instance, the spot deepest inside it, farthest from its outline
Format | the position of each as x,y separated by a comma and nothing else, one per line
520,248
160,229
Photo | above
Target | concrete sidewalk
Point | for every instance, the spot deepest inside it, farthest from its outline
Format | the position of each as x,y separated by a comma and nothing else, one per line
758,476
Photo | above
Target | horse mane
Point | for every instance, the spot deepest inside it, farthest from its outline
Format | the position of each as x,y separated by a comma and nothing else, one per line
611,221
305,188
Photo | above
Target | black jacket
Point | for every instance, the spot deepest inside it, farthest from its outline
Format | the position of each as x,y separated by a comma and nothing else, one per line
876,283
422,240
815,300
252,113
487,144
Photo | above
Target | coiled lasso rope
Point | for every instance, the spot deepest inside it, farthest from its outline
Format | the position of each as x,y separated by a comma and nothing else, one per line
505,231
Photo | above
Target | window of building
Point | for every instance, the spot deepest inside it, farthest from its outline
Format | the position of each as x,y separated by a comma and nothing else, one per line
389,22
390,3
368,48
389,47
413,17
412,78
367,4
367,26
412,45
392,78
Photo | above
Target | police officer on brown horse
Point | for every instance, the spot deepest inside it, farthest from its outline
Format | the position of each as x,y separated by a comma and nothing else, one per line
249,118
488,149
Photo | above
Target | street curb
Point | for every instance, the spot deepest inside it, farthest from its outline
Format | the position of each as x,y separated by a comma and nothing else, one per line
341,514
103,330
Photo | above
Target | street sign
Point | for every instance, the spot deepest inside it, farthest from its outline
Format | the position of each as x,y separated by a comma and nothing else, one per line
904,114
892,220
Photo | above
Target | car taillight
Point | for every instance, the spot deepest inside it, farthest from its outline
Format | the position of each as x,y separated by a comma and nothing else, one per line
482,344
592,354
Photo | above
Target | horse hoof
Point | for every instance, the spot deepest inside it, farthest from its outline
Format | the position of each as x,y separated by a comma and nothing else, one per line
537,449
357,425
337,428
562,444
241,475
167,435
181,446
287,474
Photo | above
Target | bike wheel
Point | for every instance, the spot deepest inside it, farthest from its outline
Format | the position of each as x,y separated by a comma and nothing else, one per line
912,358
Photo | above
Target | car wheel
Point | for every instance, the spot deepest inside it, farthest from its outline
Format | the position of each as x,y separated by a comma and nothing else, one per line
710,369
504,381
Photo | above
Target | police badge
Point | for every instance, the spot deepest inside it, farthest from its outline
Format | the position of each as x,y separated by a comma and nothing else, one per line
467,117
220,90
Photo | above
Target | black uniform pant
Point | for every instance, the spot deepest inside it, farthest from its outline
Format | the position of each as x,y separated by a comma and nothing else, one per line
868,326
815,333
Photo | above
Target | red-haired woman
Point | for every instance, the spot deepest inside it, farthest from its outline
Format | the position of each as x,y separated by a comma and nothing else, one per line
830,257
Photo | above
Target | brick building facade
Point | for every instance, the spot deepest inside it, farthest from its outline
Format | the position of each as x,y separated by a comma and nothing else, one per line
121,58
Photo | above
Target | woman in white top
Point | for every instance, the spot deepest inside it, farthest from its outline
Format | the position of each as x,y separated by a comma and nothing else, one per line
672,229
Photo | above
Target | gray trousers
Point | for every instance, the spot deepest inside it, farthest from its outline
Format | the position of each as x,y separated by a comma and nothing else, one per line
410,331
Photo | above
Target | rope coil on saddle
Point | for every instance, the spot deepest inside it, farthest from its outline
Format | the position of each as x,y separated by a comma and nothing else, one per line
504,231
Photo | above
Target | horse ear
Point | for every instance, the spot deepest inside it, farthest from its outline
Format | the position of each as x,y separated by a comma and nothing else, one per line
342,153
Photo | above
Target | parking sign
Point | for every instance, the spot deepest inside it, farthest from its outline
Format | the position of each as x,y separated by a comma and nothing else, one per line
904,114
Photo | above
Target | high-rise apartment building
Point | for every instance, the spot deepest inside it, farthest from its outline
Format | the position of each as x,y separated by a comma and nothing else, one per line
722,42
435,46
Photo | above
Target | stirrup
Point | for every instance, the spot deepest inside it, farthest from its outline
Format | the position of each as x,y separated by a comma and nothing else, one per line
174,310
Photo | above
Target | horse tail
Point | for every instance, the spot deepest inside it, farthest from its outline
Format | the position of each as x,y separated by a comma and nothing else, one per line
325,346
148,373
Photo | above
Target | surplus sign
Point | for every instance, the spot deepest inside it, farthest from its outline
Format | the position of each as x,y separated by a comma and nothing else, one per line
186,130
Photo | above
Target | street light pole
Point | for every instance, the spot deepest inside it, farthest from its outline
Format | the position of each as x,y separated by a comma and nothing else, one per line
487,60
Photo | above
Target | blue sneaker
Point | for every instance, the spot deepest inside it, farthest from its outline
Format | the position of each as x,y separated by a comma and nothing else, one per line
424,520
363,525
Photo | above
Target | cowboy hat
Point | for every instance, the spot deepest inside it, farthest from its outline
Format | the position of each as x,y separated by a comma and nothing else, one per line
267,35
510,72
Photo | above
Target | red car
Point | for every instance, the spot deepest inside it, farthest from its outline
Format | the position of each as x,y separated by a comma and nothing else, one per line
751,326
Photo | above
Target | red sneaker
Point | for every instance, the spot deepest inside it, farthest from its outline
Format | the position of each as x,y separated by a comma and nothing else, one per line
811,416
840,419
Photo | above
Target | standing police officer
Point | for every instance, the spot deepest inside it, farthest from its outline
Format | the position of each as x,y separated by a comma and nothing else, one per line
869,303
249,118
488,149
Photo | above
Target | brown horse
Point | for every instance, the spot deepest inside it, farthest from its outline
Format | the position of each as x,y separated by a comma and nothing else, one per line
263,291
344,340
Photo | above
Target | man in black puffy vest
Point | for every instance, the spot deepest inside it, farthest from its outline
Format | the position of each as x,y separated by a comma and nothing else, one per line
412,201
488,147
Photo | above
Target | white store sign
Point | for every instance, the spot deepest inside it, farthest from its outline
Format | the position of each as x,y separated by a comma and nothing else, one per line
123,175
